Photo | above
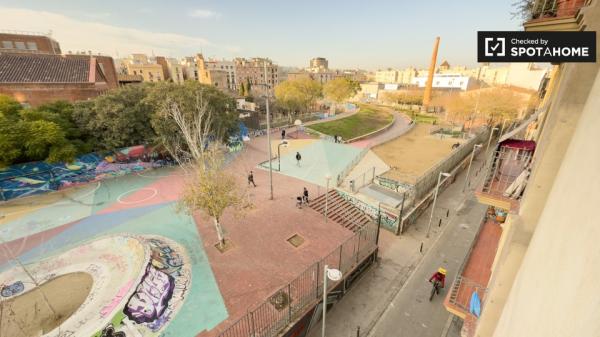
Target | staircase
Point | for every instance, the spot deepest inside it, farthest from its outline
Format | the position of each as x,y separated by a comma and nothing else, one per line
341,211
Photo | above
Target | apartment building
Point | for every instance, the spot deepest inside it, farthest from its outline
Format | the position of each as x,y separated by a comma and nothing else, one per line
253,71
149,69
534,262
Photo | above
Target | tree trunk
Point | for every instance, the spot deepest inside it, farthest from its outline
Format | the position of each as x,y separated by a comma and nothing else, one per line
219,230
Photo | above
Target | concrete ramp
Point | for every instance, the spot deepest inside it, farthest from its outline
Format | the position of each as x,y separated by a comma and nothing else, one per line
382,195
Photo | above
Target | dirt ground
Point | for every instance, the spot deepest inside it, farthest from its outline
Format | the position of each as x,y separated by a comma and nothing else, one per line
29,314
412,154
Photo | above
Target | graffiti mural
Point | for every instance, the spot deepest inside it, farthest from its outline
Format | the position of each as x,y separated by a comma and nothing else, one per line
388,219
38,177
161,290
12,289
109,331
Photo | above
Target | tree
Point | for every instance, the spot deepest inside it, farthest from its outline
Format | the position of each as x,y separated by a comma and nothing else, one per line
497,104
34,134
241,90
340,89
409,97
210,189
298,95
118,118
223,123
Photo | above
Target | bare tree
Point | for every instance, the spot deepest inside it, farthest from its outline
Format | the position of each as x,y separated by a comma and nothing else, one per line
211,189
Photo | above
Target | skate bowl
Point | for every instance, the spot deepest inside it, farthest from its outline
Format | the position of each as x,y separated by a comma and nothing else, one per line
46,307
127,283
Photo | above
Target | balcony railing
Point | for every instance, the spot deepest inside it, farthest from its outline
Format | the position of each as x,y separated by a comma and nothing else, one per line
508,172
547,9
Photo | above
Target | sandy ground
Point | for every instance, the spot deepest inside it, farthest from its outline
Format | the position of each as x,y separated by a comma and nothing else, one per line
412,154
29,314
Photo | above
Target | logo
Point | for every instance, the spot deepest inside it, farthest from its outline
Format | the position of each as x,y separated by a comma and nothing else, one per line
552,47
495,46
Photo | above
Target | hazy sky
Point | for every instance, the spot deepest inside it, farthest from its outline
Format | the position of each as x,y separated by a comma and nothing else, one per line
368,34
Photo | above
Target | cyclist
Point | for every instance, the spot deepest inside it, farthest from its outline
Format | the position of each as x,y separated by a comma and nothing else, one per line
440,277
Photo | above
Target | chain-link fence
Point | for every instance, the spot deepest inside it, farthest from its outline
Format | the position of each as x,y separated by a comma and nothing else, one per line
293,300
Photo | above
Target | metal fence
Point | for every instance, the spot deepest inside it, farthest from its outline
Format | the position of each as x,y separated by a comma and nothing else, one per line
350,166
292,301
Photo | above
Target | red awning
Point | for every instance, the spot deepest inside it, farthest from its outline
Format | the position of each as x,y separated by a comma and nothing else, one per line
528,145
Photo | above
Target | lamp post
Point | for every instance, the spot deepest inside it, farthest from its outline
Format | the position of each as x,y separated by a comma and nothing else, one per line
470,162
490,140
437,188
503,125
268,130
327,178
283,142
334,275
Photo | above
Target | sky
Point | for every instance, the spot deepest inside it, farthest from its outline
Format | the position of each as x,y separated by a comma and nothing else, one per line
367,34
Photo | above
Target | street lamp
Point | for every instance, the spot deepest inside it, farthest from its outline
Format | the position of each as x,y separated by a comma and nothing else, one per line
334,275
470,162
284,143
327,178
437,188
266,84
490,140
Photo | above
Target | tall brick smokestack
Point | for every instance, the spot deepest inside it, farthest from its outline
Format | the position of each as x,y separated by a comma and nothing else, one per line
427,93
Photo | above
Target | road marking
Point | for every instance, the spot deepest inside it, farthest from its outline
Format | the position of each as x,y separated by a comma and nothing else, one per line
154,193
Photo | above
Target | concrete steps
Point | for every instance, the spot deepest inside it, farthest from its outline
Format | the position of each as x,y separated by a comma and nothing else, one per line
340,211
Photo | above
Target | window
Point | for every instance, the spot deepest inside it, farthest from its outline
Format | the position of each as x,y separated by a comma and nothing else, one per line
32,46
20,45
7,44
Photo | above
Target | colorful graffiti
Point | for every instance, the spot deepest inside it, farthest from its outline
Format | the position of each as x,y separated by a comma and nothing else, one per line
149,302
109,331
12,289
386,218
38,177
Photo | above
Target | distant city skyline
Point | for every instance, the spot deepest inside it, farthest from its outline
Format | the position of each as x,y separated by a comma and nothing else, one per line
350,34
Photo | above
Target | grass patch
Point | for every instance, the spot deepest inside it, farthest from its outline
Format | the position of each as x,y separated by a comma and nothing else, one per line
368,119
423,118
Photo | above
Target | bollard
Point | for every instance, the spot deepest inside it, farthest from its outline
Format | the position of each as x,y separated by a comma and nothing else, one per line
447,213
440,223
358,331
421,249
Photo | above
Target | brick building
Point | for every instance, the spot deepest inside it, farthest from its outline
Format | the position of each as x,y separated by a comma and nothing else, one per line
33,43
253,71
36,79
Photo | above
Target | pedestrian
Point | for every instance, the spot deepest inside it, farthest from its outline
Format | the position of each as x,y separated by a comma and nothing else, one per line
251,179
335,138
283,134
305,195
298,158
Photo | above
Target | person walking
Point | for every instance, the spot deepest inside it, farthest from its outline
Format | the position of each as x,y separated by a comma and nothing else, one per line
298,158
305,196
251,179
283,134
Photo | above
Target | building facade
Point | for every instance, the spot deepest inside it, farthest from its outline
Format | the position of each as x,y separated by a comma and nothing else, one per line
35,79
140,64
253,71
445,82
34,43
319,63
541,276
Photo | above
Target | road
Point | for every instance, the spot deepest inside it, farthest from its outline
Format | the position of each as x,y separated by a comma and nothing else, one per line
392,298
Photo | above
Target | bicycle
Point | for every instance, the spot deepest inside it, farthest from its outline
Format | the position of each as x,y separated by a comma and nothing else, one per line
434,289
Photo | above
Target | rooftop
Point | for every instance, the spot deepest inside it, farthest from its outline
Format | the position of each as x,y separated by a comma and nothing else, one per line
37,68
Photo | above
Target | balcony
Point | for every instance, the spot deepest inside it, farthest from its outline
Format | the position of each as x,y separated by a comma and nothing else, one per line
555,15
508,172
474,275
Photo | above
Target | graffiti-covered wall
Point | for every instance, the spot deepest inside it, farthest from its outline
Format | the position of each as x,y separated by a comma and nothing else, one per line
387,215
38,177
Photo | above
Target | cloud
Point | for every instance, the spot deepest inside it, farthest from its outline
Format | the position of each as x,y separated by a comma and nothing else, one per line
80,35
204,14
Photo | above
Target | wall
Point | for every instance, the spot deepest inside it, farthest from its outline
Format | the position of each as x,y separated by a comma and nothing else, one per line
564,246
45,45
36,94
574,86
524,75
